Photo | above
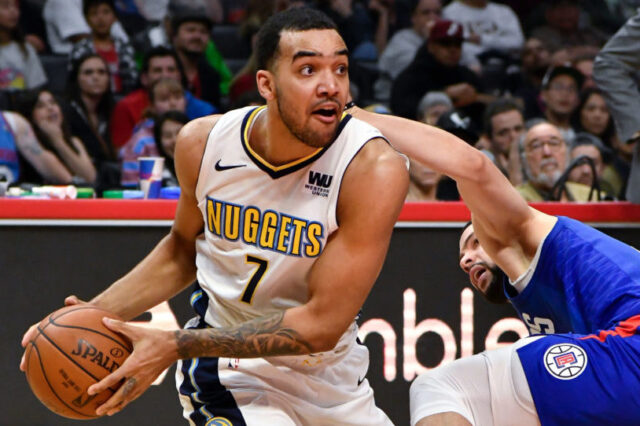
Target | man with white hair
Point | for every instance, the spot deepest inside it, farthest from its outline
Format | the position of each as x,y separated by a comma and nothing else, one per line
544,158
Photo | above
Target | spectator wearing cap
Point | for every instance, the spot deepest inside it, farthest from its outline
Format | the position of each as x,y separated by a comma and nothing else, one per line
190,34
488,26
560,88
118,54
432,106
582,170
436,67
503,128
544,158
159,62
402,47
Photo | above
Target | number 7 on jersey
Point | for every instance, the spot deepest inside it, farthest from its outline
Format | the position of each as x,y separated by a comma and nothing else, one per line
247,295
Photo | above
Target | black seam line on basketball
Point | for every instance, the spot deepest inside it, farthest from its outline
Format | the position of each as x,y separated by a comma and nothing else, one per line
72,360
44,374
123,344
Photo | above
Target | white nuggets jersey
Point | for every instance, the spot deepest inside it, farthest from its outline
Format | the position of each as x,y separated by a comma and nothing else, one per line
265,225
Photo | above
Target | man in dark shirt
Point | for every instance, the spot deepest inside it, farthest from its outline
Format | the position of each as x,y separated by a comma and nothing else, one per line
436,67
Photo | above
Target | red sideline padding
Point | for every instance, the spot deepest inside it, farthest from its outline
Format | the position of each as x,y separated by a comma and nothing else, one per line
108,209
88,209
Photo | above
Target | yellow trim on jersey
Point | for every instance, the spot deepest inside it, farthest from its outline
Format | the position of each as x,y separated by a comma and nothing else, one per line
245,141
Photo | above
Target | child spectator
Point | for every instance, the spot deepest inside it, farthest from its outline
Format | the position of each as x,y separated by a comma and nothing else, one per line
119,55
165,95
20,67
165,133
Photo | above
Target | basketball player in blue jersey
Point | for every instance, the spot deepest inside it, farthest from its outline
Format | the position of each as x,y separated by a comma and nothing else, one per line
560,275
284,220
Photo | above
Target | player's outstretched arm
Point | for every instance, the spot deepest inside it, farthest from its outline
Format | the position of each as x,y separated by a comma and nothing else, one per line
371,197
170,266
502,219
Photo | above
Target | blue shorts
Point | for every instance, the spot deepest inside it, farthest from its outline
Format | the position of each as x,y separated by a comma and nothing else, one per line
586,379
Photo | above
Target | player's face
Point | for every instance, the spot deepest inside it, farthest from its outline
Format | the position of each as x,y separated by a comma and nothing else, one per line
475,262
311,84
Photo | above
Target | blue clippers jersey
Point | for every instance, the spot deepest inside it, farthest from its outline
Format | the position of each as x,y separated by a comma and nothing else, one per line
584,281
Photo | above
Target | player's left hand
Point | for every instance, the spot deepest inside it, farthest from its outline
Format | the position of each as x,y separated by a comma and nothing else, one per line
153,352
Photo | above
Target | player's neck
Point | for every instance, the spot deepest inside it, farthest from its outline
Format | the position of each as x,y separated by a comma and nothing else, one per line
272,141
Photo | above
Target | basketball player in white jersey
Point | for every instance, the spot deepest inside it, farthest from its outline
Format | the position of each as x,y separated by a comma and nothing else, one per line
284,220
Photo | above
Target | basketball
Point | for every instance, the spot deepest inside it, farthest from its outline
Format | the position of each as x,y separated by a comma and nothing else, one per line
71,351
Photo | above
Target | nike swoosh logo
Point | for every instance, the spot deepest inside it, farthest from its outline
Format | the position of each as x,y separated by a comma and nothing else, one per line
360,380
220,167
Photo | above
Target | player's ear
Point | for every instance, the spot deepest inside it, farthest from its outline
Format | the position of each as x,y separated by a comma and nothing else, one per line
266,84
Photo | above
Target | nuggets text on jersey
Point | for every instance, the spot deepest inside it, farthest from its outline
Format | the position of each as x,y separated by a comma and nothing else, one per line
268,230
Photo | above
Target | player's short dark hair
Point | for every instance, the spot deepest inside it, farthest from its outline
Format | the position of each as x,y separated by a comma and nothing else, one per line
498,107
295,19
88,4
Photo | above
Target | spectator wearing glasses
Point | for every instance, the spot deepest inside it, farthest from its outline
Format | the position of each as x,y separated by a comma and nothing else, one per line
544,158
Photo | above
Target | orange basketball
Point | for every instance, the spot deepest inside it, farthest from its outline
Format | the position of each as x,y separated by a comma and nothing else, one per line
71,351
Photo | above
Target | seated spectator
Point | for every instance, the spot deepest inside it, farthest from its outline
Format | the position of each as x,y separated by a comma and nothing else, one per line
165,95
119,55
165,133
560,88
432,106
488,26
90,104
436,67
584,64
20,67
160,35
32,24
159,62
23,158
592,116
526,82
66,25
563,30
588,145
544,158
503,128
423,183
190,35
404,44
363,26
54,135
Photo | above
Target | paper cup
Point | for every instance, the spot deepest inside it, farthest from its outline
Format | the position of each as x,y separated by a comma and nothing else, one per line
151,169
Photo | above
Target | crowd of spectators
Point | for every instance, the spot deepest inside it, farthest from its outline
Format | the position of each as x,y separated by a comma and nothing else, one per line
88,86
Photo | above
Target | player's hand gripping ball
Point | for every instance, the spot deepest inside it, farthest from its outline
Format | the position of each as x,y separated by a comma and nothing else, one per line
70,351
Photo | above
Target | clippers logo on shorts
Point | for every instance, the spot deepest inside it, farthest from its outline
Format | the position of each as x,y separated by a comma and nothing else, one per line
319,183
565,361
